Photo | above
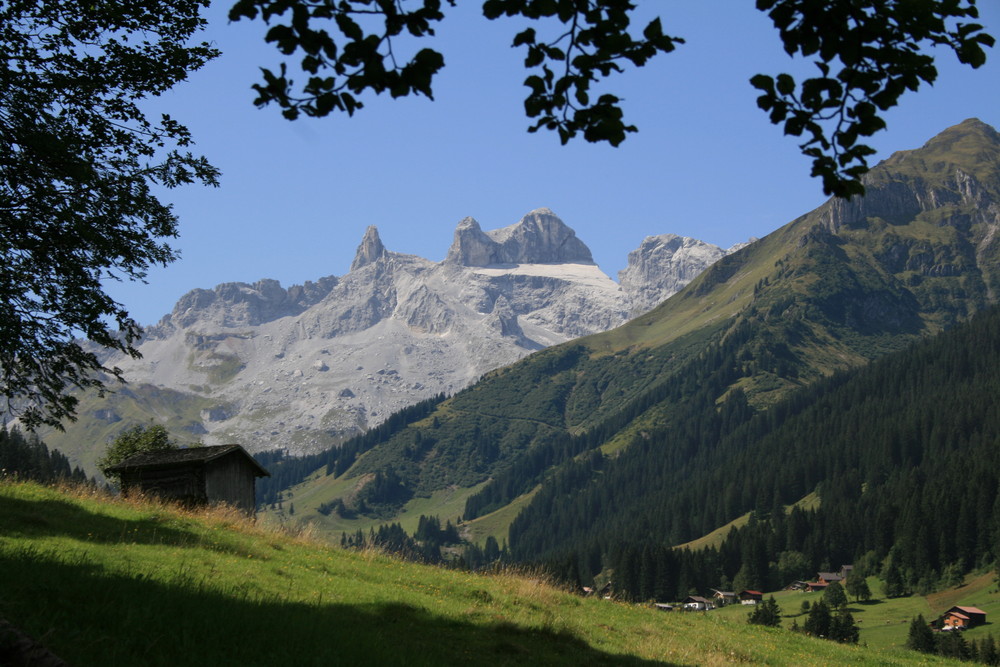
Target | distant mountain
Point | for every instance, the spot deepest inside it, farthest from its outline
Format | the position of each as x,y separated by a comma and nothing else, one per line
304,367
830,290
663,265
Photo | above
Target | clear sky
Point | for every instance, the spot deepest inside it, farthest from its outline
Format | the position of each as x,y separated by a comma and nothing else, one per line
296,197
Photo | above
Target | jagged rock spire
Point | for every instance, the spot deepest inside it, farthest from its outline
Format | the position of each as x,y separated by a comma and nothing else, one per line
371,249
540,237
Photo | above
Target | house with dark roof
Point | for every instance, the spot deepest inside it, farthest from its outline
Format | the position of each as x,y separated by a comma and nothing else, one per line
697,603
722,598
199,475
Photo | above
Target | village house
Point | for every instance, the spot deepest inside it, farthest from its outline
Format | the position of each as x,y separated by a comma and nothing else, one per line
962,618
750,597
198,475
697,603
823,579
722,598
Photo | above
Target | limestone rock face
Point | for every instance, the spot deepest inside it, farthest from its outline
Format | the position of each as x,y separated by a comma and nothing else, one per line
661,266
370,250
538,238
305,367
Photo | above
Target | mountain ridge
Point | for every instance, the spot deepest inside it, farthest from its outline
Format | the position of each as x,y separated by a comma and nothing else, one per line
305,367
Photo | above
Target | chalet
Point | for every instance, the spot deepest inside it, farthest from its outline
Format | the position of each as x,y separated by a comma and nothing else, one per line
962,618
697,603
722,598
829,577
814,586
751,597
219,474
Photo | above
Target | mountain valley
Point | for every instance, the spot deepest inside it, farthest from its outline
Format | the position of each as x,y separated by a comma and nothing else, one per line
585,452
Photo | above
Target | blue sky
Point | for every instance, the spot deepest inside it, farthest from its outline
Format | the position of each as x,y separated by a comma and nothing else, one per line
296,197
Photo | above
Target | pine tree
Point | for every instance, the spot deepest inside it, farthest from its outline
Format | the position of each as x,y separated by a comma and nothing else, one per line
843,628
988,654
818,622
894,586
834,596
953,645
857,586
766,613
921,637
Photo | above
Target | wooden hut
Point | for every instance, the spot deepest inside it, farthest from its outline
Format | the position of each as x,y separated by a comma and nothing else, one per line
219,474
962,618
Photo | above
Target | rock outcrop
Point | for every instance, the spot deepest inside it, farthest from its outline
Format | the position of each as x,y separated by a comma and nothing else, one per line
661,266
538,238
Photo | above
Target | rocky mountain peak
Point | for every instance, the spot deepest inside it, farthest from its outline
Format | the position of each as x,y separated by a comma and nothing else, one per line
471,246
370,250
540,237
957,167
661,266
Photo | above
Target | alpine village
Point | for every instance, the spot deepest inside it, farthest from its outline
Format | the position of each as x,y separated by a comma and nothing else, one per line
791,460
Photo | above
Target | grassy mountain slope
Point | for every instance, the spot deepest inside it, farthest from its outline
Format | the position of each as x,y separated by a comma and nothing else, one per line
831,290
110,583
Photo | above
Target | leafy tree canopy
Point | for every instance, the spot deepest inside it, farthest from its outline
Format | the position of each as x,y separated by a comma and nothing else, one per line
136,440
867,54
79,162
857,585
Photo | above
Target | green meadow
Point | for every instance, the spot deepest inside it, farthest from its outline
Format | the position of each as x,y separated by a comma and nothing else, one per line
102,581
884,623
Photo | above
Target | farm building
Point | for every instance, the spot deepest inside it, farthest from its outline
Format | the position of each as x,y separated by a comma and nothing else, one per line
962,618
722,598
697,603
219,474
751,597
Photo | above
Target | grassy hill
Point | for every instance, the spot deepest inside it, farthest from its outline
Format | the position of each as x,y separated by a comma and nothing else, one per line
108,582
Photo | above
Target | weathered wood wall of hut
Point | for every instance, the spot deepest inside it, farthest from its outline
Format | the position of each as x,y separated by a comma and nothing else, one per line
181,483
231,480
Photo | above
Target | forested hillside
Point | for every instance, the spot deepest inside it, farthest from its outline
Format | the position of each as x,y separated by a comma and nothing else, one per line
902,454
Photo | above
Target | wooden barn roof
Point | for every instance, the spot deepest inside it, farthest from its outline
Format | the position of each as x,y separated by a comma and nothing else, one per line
970,610
179,457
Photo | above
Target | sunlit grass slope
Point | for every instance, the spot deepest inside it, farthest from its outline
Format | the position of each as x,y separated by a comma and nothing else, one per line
112,583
